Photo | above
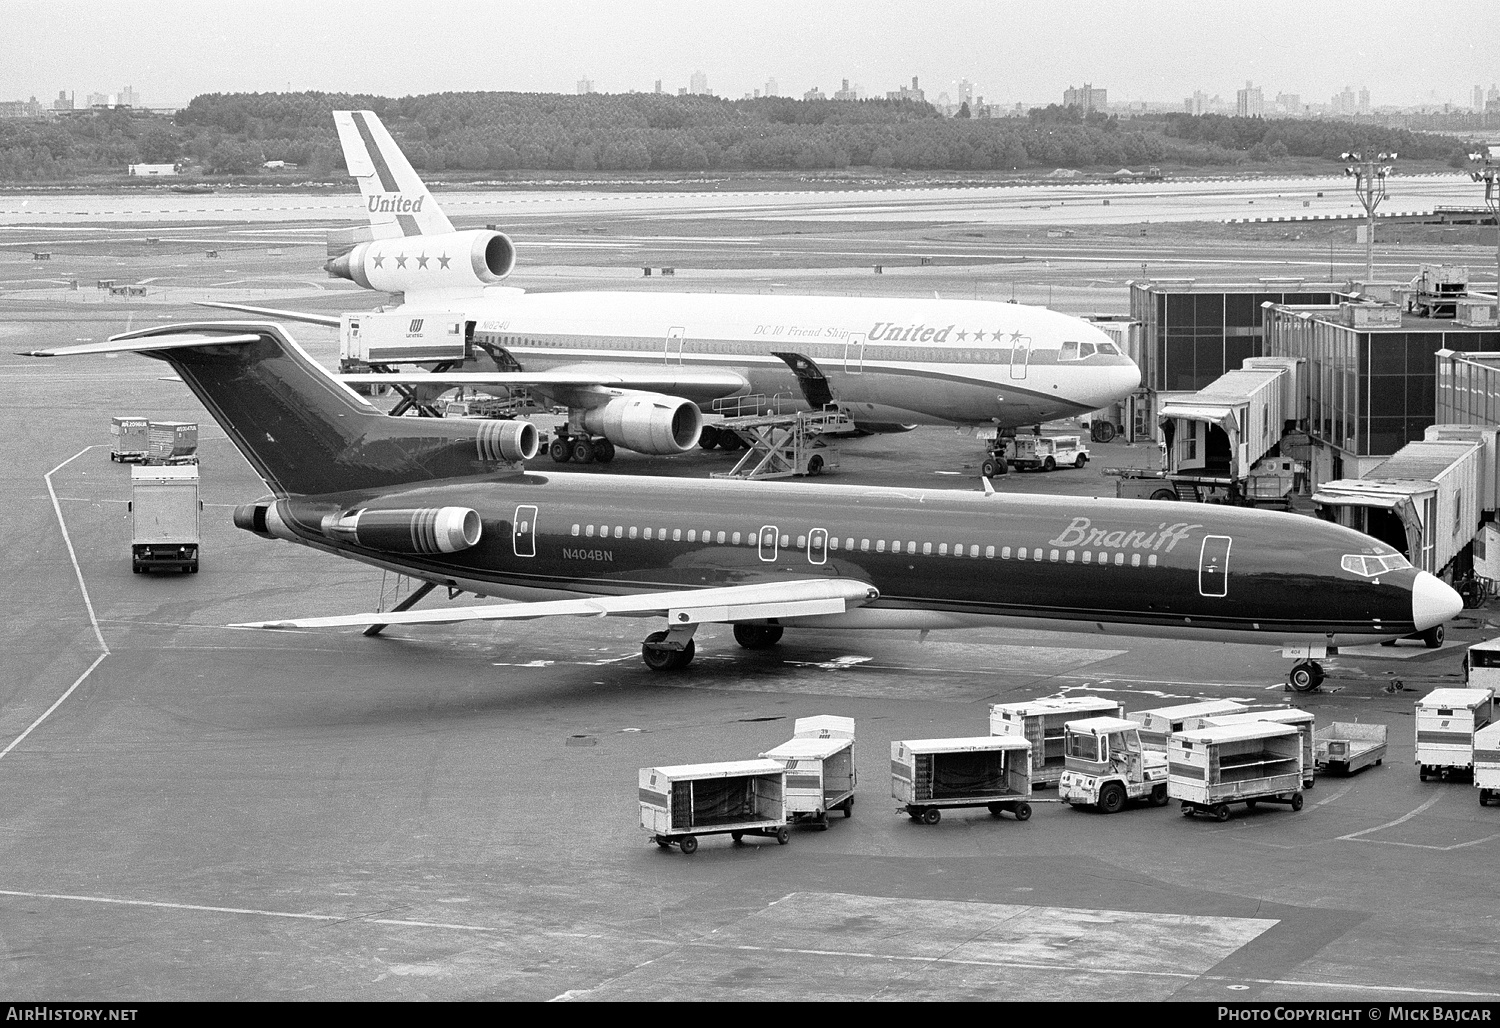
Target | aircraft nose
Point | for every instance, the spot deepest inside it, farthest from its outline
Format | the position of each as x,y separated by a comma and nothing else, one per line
1432,602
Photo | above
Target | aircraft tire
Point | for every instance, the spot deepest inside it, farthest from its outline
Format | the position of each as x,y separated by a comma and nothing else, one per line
990,468
757,637
1164,494
561,451
604,451
1305,676
708,439
583,451
1434,636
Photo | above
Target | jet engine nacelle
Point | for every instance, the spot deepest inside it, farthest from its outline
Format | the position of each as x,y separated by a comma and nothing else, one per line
416,263
508,440
426,530
647,423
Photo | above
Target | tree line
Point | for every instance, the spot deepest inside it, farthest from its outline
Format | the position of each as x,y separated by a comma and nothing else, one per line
483,132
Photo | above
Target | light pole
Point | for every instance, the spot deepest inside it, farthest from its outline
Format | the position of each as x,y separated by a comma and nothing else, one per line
1488,172
1369,176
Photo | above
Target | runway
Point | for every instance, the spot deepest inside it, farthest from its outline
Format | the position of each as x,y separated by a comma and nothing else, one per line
189,811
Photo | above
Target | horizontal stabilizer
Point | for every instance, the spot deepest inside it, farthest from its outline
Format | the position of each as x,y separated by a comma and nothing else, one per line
789,599
146,344
271,312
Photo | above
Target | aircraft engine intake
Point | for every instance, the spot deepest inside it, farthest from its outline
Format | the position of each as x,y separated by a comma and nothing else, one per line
507,440
481,257
426,530
647,423
263,519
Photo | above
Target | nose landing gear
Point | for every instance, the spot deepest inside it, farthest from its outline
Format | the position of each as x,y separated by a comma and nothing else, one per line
1305,676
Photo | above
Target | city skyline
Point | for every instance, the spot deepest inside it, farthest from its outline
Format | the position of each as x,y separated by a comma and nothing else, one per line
1007,52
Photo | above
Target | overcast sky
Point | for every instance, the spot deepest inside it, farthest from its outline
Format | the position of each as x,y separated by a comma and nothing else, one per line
1012,50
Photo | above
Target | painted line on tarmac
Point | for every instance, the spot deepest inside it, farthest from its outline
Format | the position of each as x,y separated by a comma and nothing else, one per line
1389,824
93,620
291,915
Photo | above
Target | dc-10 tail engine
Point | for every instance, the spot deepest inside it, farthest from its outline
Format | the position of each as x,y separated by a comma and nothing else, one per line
477,258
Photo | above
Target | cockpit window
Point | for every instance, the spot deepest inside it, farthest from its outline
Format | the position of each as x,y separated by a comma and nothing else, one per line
1369,567
1109,348
1069,352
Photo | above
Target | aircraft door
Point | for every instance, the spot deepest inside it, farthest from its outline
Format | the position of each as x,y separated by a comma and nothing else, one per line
1213,566
768,543
854,353
672,351
523,531
1020,355
817,546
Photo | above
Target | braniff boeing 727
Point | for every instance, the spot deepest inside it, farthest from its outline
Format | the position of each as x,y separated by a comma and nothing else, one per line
635,369
444,501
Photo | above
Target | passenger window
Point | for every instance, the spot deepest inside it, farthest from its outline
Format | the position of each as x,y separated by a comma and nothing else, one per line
942,549
989,553
801,541
1151,561
1005,553
589,531
736,539
864,546
1069,556
721,538
926,549
1036,554
1020,553
1120,559
911,547
833,542
575,529
619,531
632,531
1053,556
879,545
1135,560
849,544
692,535
648,533
1088,556
974,550
677,535
786,540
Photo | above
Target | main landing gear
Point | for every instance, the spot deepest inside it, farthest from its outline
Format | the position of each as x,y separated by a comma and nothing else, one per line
580,449
673,649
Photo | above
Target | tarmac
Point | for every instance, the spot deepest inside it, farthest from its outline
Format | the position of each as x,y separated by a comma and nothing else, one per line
193,812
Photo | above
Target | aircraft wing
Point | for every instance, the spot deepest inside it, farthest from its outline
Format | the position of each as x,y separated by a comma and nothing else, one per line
793,598
699,384
271,312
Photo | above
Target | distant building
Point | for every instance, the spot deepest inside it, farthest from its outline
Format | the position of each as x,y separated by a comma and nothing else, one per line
913,94
154,170
814,94
585,86
847,93
129,97
64,102
20,108
1364,101
1290,104
1197,104
1088,98
658,85
772,89
965,91
1478,98
682,90
698,84
1344,104
1248,102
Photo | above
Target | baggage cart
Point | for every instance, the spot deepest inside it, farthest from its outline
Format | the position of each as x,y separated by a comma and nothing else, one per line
1301,719
164,518
1211,768
172,442
1040,722
1348,747
734,798
1482,664
819,762
1446,722
129,439
930,775
1159,723
1487,763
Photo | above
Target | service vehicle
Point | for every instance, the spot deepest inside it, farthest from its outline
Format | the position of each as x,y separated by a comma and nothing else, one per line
1107,766
1446,722
930,775
819,762
1482,665
164,518
735,798
1047,453
1158,724
129,439
1211,768
1041,723
1487,763
1347,747
1302,719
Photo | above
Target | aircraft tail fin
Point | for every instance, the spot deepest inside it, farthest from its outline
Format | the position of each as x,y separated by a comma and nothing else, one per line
397,202
304,431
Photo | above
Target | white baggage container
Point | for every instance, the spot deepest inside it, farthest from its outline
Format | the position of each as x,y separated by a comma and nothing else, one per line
1301,719
1446,722
1487,763
164,518
734,798
819,762
1040,722
1256,763
130,439
991,771
1210,768
1158,724
1482,665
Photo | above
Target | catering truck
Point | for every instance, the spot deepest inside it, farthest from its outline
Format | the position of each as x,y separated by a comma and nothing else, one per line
164,518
